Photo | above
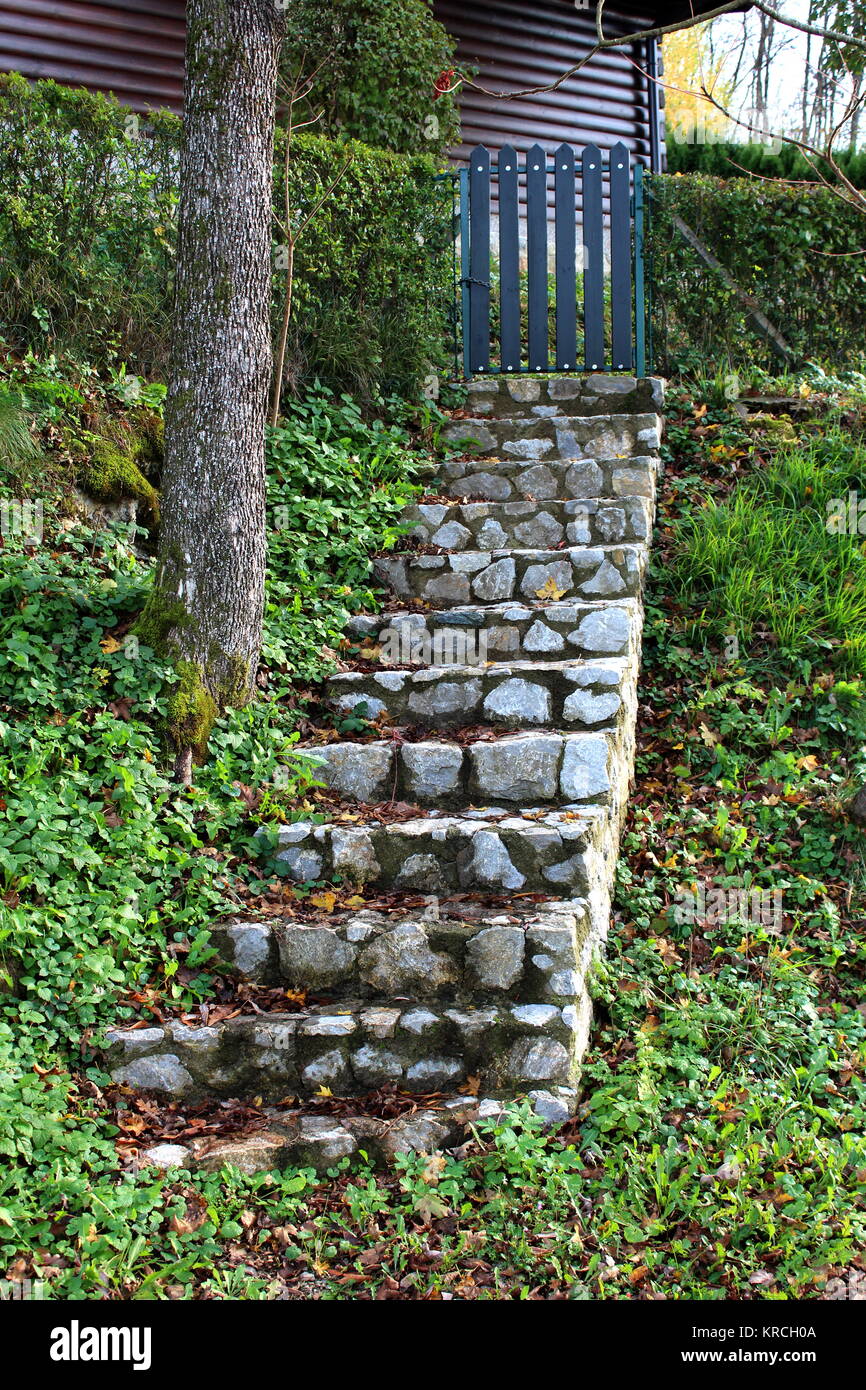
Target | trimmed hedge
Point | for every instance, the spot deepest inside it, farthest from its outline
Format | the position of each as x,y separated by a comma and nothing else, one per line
87,224
373,272
798,251
726,158
88,217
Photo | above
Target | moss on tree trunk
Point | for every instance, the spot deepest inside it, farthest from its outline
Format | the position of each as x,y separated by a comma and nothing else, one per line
205,611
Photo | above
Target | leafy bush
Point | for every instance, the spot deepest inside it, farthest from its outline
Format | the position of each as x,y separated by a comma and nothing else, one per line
380,60
336,486
372,271
797,251
88,210
726,159
87,223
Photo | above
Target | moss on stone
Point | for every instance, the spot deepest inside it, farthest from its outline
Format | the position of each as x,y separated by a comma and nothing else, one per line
118,458
112,474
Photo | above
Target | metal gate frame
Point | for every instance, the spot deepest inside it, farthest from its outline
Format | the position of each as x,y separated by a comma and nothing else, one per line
571,170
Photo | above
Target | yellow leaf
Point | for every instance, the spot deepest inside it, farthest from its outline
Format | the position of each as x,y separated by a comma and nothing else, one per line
110,645
325,900
324,1092
809,763
550,589
434,1168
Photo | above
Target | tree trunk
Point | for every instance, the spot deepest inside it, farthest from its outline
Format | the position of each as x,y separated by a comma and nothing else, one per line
205,611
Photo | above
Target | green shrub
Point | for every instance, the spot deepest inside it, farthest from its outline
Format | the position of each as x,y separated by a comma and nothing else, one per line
380,60
336,487
88,202
797,251
728,158
87,223
372,271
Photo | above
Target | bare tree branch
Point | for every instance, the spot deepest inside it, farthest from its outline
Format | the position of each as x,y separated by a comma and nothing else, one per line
659,31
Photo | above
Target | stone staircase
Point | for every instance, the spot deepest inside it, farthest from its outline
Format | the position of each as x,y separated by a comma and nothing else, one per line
517,621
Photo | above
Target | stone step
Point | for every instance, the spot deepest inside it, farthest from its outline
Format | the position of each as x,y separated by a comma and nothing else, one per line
555,436
352,1048
553,479
449,948
296,1140
517,695
492,576
513,398
499,525
520,769
505,631
495,850
419,1000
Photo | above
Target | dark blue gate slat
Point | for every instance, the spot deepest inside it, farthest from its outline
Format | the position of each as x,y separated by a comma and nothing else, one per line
620,259
566,275
509,261
536,256
479,259
593,260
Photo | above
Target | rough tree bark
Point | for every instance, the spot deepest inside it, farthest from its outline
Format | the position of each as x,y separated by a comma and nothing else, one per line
205,610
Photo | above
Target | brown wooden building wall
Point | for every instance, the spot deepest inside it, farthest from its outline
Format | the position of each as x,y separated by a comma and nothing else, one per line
515,45
133,49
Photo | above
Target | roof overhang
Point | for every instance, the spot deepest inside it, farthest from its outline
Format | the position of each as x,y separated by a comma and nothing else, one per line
649,14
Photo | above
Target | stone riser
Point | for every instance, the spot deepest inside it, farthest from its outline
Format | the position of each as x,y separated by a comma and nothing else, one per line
502,632
551,852
520,770
497,576
355,1050
524,952
524,397
320,1141
499,525
558,436
554,479
520,695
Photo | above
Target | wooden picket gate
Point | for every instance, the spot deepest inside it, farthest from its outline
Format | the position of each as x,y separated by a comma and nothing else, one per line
598,296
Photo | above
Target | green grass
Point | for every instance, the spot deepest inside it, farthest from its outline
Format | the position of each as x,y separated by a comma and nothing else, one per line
763,559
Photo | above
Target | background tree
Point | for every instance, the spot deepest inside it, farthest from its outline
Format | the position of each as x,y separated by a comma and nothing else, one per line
205,609
689,66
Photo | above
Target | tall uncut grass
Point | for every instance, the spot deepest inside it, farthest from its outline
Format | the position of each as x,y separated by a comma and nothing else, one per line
766,559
